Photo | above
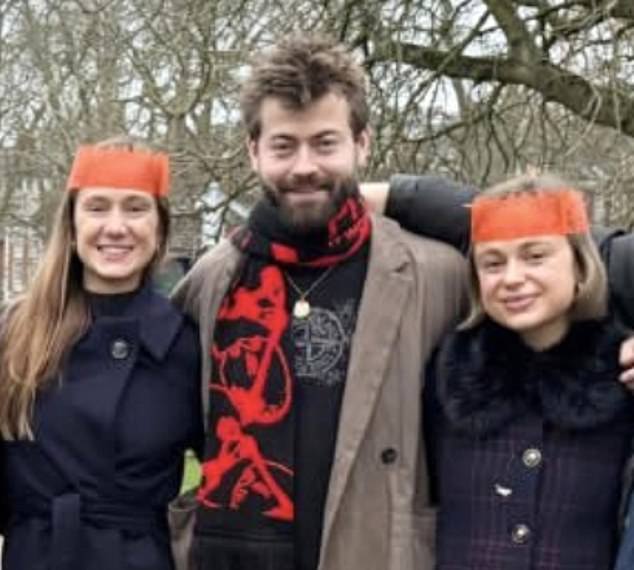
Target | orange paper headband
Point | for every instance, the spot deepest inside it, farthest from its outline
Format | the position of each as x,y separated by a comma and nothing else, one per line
559,212
120,168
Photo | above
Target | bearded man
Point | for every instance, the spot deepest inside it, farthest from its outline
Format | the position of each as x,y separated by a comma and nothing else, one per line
316,320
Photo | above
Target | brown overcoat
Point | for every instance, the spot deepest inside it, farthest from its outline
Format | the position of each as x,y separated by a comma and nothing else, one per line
377,514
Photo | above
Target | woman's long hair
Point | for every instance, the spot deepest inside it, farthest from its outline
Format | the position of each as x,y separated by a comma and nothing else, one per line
41,327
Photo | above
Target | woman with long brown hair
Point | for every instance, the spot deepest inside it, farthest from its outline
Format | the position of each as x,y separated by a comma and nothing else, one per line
99,378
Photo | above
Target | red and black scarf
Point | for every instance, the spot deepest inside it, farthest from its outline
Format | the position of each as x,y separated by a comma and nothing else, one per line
247,491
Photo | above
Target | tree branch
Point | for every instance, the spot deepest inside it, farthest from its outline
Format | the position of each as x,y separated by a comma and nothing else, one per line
623,9
602,105
521,44
615,8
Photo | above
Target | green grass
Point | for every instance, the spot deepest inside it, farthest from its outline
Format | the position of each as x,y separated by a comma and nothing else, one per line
191,473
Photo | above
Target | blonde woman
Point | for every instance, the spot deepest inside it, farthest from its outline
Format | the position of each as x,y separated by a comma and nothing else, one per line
99,393
528,430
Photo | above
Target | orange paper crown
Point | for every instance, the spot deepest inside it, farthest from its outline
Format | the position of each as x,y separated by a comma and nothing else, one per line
558,212
120,168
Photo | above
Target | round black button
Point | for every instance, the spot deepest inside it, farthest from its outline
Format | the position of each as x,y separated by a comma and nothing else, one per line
389,455
120,349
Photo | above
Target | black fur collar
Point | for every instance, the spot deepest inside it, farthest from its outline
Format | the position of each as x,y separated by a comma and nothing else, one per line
486,376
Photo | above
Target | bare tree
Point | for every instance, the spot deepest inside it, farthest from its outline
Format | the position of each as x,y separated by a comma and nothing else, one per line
475,89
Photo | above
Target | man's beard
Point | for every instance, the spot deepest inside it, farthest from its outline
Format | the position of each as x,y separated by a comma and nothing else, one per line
311,217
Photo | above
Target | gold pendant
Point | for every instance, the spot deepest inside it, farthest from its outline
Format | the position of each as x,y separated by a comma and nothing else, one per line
301,309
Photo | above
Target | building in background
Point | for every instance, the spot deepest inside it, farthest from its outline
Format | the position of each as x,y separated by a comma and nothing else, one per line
21,229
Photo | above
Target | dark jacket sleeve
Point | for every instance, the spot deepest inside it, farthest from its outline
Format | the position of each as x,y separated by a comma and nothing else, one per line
617,251
197,435
431,206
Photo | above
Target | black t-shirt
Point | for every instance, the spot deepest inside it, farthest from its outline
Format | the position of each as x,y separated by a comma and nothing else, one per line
321,343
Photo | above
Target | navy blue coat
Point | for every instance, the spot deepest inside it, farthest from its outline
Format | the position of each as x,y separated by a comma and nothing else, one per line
90,492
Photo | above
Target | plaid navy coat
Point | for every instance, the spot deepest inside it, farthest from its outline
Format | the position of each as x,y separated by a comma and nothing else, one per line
528,450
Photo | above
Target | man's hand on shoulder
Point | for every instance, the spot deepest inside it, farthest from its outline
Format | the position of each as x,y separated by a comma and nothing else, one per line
375,195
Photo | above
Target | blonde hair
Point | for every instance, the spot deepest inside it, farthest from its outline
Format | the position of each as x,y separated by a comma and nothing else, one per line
590,300
42,326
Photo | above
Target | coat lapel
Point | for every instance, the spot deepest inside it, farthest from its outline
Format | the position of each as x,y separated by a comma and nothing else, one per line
221,283
383,302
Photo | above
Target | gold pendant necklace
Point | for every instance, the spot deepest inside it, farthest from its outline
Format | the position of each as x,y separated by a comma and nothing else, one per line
301,307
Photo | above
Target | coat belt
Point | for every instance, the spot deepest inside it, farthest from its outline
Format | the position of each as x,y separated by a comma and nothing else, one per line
67,512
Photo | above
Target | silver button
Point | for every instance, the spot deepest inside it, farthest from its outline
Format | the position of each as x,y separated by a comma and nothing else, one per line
531,457
120,349
520,534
